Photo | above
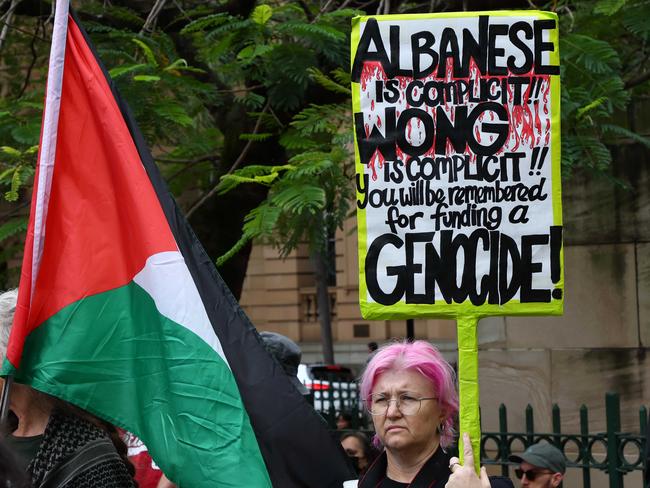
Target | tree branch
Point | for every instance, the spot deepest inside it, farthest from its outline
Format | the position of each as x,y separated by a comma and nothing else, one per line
23,31
32,48
7,18
235,165
200,159
241,90
188,164
150,23
642,78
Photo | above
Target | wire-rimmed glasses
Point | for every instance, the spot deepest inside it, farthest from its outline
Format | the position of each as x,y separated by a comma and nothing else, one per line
407,403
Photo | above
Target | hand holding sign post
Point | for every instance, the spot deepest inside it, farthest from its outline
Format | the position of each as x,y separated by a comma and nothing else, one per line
457,144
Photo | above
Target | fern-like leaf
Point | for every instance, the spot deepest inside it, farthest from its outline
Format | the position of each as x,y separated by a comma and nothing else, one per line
635,19
300,198
148,52
327,83
627,133
596,55
13,227
233,25
294,140
238,246
11,151
258,137
12,194
174,113
206,22
582,111
312,31
124,69
261,14
608,7
342,76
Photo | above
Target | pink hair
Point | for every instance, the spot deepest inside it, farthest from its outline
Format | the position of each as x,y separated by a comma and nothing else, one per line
424,358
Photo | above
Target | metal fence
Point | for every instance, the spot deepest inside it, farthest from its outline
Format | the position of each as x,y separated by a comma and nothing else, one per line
611,451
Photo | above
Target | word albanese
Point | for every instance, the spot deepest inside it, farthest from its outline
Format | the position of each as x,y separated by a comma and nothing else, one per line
430,56
451,266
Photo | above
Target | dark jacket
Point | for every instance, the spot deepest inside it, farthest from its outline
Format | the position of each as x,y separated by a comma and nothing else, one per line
434,474
68,437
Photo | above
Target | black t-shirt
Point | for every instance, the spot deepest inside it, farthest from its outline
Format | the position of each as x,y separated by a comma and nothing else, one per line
24,448
389,483
434,473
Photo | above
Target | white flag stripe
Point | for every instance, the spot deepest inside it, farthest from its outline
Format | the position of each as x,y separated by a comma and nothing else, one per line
47,151
167,280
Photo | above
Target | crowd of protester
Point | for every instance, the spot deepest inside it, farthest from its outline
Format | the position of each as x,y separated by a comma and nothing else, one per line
408,390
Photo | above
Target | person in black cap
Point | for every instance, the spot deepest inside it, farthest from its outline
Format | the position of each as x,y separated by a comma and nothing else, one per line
542,465
288,354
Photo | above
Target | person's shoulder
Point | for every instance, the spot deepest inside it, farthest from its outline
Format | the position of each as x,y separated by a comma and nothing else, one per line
501,482
77,429
107,474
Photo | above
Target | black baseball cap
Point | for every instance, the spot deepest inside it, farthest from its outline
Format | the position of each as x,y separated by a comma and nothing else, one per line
543,455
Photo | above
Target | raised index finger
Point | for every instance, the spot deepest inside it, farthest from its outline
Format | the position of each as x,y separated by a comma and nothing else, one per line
468,453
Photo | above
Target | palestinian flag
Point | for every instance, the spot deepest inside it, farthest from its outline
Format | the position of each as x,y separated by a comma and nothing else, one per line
122,313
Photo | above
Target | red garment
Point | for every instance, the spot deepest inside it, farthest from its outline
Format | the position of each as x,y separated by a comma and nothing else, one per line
147,473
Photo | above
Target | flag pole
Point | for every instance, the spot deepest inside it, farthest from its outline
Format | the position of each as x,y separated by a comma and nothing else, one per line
4,404
468,389
45,168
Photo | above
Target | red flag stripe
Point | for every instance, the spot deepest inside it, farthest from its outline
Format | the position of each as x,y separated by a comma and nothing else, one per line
103,217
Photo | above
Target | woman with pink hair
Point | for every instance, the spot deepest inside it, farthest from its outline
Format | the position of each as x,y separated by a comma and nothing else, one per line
410,391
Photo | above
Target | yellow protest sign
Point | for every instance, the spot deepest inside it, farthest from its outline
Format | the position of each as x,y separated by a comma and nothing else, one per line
457,145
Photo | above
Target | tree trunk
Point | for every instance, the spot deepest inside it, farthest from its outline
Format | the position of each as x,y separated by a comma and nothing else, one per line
319,262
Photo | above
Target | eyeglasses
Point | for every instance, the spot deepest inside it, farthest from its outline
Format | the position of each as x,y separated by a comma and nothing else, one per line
530,475
406,403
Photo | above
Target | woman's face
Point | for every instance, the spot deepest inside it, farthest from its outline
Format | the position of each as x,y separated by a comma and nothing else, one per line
398,432
354,448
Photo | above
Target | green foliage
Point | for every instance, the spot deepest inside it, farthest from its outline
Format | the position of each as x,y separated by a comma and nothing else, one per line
329,84
277,48
17,169
13,227
309,197
595,56
205,22
608,7
602,46
261,14
207,83
163,90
